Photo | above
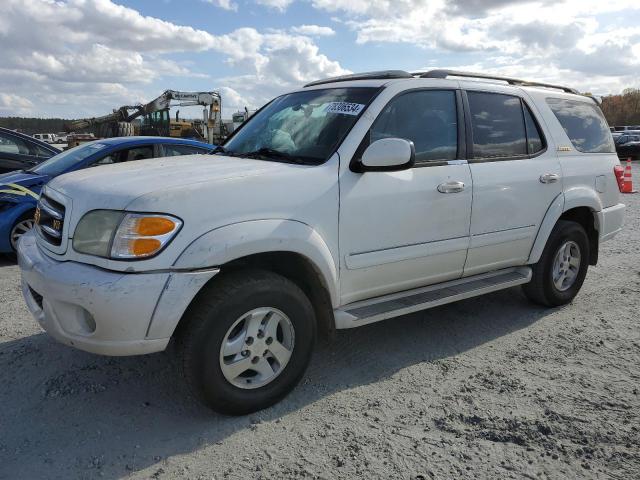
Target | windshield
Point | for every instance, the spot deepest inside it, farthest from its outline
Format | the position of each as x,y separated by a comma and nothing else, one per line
303,126
58,164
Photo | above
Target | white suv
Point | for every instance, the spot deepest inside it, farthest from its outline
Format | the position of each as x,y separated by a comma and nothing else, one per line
45,137
349,201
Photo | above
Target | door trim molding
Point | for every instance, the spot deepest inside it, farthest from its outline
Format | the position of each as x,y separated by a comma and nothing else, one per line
502,236
373,258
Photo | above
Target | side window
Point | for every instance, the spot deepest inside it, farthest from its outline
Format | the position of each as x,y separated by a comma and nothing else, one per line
171,150
109,159
38,151
126,155
9,144
497,125
535,143
584,124
136,153
428,118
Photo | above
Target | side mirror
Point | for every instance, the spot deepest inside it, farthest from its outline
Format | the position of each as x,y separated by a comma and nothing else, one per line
388,155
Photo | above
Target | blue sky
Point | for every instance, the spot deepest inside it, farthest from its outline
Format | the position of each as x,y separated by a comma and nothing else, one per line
75,58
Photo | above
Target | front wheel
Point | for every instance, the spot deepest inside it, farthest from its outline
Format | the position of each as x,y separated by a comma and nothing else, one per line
246,341
22,226
562,268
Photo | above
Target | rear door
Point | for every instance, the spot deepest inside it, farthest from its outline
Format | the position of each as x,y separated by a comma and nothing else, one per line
516,176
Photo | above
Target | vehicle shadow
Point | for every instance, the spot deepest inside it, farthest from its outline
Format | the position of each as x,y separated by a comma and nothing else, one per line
65,410
7,260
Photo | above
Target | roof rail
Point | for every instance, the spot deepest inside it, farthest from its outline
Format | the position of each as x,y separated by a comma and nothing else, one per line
379,75
510,81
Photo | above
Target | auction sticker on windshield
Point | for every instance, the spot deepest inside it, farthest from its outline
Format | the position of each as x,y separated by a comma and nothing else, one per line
345,108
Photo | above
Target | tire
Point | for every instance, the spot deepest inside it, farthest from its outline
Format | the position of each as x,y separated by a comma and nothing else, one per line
124,129
20,227
542,289
103,130
210,323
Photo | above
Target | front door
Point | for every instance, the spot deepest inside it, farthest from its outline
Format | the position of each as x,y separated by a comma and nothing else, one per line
405,229
516,176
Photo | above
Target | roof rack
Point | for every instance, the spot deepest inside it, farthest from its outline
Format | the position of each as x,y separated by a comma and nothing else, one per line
381,75
510,81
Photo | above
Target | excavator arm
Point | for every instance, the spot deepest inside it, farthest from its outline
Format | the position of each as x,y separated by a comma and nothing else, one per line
212,100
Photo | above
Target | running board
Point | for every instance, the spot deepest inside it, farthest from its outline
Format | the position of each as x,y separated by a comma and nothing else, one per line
396,304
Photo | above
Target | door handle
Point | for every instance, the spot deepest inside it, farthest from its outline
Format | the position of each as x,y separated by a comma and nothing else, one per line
451,187
549,178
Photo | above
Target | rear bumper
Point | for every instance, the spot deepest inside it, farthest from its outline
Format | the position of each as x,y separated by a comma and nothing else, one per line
104,312
611,221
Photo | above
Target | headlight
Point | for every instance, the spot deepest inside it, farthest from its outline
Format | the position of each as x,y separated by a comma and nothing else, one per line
121,235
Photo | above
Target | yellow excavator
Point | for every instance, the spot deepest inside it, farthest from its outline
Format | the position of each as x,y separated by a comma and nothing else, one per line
156,121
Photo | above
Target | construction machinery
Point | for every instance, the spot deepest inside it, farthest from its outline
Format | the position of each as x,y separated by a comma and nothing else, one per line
156,121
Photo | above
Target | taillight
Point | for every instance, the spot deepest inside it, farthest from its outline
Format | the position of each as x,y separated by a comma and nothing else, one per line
618,171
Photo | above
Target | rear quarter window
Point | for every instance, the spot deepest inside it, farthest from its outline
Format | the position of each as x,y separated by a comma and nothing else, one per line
584,124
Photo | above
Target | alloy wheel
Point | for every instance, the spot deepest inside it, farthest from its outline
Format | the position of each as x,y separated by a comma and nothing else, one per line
257,348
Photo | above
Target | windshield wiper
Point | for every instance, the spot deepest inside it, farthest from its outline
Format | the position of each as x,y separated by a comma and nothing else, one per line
266,152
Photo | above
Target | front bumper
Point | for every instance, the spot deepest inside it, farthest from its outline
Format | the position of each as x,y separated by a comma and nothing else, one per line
101,311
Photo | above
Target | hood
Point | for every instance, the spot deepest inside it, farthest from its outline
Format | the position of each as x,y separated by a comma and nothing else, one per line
115,186
27,182
205,191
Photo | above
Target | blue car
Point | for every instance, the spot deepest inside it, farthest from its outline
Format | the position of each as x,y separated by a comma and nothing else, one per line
19,190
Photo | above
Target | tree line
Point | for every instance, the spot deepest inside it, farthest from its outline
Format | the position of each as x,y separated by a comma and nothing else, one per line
34,125
623,109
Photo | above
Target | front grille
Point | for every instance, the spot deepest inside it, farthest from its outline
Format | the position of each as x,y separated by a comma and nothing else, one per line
50,220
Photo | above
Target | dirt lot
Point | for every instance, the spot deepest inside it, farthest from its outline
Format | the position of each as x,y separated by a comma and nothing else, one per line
486,388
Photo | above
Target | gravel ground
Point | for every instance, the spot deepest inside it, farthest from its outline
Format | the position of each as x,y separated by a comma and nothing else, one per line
491,387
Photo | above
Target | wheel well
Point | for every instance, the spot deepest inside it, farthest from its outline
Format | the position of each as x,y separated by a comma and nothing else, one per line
584,216
300,271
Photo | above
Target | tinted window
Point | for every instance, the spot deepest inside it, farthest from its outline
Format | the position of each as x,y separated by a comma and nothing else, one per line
427,118
136,153
534,137
9,144
171,150
40,152
497,124
125,155
584,124
69,158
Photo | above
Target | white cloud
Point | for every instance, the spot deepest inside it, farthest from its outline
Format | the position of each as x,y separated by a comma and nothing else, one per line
313,30
15,104
273,63
225,4
86,57
277,4
565,37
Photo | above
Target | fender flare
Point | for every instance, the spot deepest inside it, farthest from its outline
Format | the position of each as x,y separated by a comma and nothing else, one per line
237,240
571,198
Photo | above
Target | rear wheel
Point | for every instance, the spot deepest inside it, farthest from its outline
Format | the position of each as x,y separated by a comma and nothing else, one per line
246,341
562,268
